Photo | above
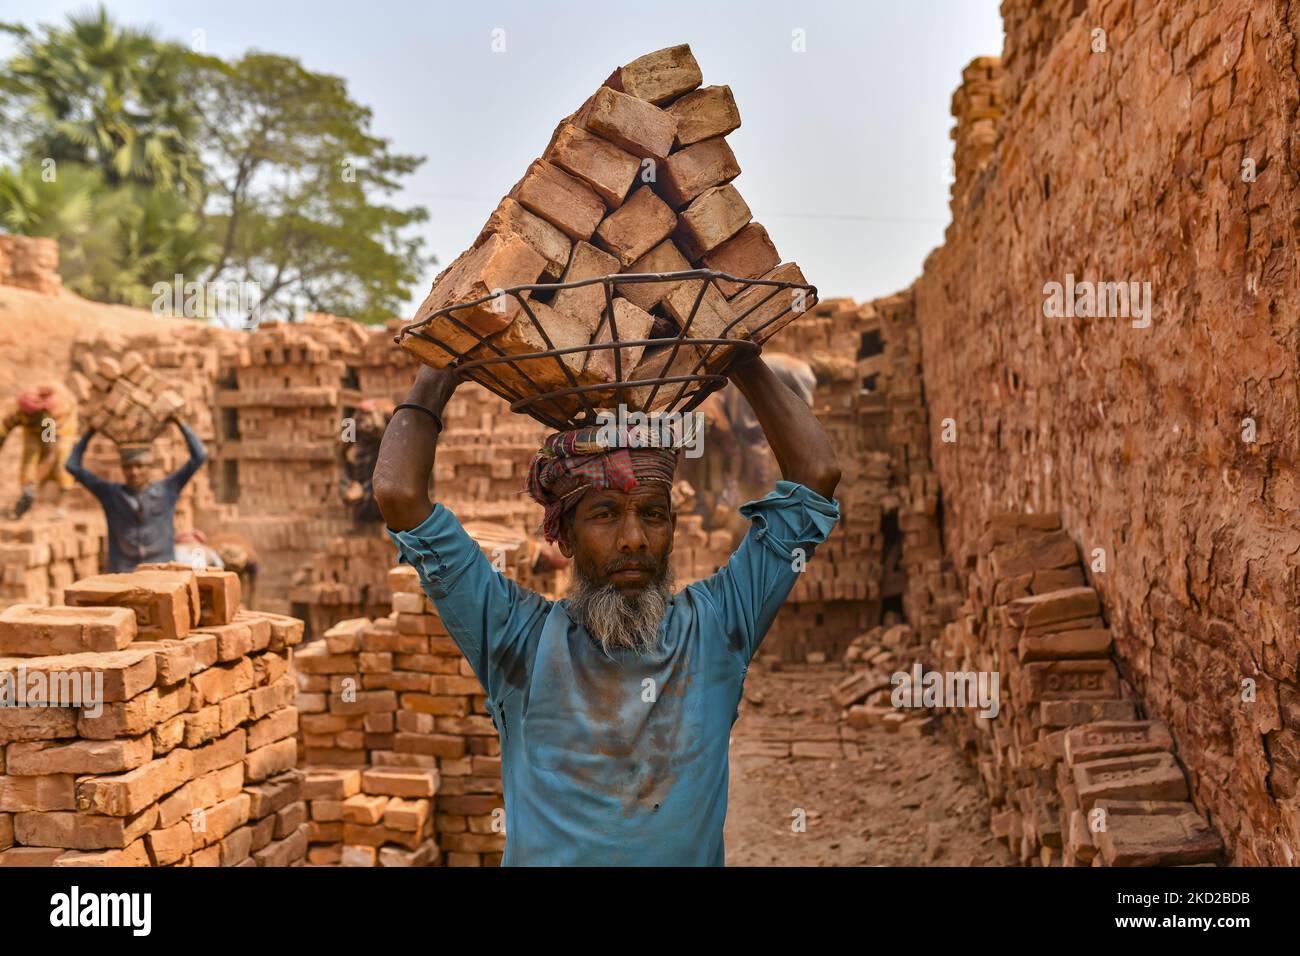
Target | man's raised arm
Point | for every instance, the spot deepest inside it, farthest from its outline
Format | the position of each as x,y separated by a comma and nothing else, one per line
793,432
401,478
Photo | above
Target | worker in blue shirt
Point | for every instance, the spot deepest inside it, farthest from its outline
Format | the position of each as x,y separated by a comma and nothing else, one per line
141,512
614,705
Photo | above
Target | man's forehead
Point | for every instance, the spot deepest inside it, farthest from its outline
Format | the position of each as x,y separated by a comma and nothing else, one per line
648,491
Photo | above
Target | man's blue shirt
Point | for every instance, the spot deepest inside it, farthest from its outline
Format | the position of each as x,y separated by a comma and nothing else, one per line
619,759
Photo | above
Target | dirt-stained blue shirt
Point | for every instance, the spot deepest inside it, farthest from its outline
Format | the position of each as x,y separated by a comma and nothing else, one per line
619,759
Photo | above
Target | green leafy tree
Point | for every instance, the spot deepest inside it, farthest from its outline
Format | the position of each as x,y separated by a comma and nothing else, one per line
166,161
297,194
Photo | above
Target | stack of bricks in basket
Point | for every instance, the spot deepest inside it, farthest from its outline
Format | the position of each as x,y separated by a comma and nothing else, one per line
637,180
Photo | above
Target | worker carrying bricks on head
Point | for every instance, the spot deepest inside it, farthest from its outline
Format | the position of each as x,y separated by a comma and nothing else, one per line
47,415
614,706
141,512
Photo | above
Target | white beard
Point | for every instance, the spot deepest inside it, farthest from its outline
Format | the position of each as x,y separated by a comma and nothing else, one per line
616,619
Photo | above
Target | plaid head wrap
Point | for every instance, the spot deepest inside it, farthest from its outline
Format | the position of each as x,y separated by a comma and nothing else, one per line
570,462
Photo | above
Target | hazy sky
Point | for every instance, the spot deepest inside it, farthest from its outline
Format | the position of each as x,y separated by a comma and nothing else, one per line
844,147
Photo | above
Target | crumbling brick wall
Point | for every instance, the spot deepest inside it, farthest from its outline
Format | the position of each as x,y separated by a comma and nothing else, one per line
1168,158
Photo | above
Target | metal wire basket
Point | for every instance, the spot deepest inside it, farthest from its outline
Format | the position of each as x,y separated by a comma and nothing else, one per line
578,404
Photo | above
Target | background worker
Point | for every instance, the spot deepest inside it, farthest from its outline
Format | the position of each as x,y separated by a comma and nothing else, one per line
141,512
47,415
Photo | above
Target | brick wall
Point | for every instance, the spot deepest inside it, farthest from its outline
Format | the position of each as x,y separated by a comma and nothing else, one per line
1128,166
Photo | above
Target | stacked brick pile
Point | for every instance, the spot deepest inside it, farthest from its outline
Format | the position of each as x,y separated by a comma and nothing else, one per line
840,595
915,480
349,579
1075,774
398,693
125,398
483,460
29,262
698,552
283,401
1032,27
40,557
184,756
382,369
847,567
977,105
380,816
585,209
484,454
1047,421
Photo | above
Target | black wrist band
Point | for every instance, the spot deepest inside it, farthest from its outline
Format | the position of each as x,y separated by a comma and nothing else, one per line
428,411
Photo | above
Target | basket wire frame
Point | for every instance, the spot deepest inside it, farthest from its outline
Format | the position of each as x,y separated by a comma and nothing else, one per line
545,406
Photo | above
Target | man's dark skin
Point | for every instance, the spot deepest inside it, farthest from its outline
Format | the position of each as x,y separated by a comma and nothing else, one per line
618,537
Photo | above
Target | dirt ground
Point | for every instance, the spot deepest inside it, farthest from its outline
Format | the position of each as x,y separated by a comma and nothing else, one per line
869,798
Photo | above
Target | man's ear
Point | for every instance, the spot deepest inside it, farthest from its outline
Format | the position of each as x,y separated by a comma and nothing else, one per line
672,538
563,543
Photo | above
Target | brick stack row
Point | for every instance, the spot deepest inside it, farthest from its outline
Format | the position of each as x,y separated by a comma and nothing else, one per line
483,456
697,552
349,579
1075,774
380,816
915,480
382,369
977,106
282,406
397,692
1032,28
40,557
149,721
840,593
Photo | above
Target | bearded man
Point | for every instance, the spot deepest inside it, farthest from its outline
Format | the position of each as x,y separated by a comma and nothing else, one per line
613,706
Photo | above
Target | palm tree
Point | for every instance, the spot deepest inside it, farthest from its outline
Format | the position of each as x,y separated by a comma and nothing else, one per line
112,97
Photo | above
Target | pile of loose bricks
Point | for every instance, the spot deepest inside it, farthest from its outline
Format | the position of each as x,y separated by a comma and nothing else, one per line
179,752
864,694
588,207
396,694
1075,775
